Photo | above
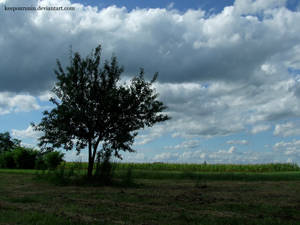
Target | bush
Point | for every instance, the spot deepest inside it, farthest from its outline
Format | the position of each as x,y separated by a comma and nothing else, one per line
127,180
40,163
7,160
105,170
53,159
24,157
19,157
27,158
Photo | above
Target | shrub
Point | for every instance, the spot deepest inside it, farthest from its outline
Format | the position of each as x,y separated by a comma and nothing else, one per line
53,159
127,180
24,158
7,160
40,163
105,170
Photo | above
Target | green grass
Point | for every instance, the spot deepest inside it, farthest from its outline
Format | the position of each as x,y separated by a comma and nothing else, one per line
25,217
25,200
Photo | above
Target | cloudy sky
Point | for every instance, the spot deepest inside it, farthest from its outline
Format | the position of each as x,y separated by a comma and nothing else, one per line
229,71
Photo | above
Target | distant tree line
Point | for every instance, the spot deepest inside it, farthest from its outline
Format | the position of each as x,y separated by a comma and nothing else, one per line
15,156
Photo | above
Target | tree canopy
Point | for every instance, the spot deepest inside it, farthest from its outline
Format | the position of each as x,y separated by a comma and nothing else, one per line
7,143
94,110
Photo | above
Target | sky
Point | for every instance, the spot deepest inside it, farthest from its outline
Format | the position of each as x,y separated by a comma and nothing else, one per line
229,72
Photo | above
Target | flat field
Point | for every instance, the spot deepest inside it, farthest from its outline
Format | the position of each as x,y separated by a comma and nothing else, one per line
165,197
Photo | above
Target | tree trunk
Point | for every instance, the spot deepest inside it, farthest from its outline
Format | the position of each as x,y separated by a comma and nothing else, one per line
92,155
90,169
91,162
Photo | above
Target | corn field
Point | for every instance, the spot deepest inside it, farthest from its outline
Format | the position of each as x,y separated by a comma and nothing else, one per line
270,167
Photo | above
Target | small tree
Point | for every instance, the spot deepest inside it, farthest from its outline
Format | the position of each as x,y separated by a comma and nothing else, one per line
93,109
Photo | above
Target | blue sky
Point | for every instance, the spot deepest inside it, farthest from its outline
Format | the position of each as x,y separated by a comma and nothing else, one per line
213,5
229,71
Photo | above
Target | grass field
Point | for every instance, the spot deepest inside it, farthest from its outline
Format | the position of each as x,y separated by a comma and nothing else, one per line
171,197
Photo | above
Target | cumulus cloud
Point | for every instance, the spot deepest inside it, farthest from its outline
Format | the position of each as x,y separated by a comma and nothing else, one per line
185,145
150,134
260,128
166,157
258,6
10,102
231,149
286,129
237,142
45,96
135,157
222,108
288,148
29,132
182,46
219,73
226,156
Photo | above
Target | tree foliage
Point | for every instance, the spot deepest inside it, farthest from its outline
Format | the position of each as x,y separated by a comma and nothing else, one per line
7,143
93,110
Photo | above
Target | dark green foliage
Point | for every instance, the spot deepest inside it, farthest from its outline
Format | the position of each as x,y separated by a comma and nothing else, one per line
93,109
12,155
270,167
104,169
49,160
15,156
7,160
40,163
53,159
7,143
19,157
24,158
127,180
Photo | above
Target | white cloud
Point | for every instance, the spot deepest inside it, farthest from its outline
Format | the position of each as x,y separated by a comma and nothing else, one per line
135,157
257,6
219,74
171,5
27,145
286,129
260,128
230,155
185,145
288,148
10,102
221,108
224,46
231,149
45,96
150,134
29,132
166,157
237,142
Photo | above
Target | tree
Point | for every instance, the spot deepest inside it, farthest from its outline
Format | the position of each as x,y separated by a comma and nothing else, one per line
94,111
7,143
